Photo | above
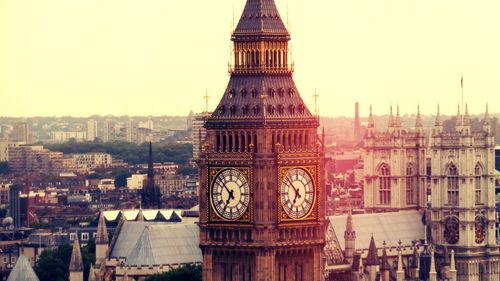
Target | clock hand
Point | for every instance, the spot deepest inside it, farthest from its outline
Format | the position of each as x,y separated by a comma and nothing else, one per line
231,196
297,193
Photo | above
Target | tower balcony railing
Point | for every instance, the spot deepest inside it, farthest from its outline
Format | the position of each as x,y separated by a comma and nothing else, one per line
261,69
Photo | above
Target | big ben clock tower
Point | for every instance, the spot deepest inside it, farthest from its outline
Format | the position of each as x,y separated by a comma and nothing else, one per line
262,211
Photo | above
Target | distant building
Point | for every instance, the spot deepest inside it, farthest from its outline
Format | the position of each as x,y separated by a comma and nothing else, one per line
91,130
20,133
136,182
34,159
4,149
59,136
106,184
199,133
131,131
17,209
109,133
93,160
5,194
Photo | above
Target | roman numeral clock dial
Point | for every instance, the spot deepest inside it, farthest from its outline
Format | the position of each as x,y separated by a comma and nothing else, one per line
230,194
297,193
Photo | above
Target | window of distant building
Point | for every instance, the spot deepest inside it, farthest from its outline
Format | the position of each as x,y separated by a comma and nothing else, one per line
452,185
385,185
72,236
85,236
477,184
94,235
410,185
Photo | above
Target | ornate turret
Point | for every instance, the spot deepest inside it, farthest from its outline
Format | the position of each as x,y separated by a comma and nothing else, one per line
371,123
432,271
487,121
459,120
466,117
350,238
391,122
101,239
398,122
400,273
76,263
424,263
418,120
453,270
438,124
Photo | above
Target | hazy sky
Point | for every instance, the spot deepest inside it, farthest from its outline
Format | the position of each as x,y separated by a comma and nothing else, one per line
157,57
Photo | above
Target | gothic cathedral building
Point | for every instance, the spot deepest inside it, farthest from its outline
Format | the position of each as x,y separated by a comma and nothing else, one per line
462,205
395,166
262,211
458,166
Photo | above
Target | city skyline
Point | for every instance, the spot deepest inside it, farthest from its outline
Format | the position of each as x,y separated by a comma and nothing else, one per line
67,58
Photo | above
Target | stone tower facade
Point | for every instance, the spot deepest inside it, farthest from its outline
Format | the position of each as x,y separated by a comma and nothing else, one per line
262,211
395,166
463,198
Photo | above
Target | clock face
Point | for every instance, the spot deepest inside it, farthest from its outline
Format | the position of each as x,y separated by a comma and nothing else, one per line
297,193
230,194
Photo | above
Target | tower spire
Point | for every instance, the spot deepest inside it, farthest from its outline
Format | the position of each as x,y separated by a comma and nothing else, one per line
76,263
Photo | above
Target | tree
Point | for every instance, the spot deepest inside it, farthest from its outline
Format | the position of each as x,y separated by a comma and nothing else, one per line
53,264
121,178
188,272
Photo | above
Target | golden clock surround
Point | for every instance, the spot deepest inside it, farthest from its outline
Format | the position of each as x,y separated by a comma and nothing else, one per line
213,216
312,214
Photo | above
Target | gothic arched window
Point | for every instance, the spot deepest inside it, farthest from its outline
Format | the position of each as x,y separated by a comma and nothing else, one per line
254,93
384,185
477,184
410,185
271,109
452,185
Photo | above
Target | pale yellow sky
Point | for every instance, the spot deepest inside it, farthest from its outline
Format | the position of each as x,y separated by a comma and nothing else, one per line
157,57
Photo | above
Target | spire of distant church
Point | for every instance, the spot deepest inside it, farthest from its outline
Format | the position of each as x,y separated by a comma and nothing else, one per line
150,198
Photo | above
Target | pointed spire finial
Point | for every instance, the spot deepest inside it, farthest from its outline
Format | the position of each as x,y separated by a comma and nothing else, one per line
371,121
76,262
486,120
102,231
438,117
418,122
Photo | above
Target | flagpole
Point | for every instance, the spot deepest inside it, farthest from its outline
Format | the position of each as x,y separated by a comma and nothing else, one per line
463,109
